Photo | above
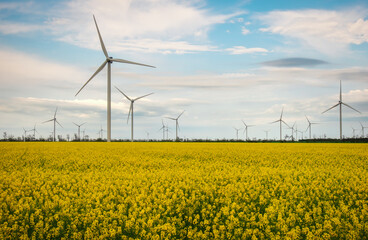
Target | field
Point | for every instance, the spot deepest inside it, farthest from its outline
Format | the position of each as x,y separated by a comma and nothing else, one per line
183,191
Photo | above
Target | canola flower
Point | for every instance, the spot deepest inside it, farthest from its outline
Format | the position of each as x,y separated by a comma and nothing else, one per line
183,191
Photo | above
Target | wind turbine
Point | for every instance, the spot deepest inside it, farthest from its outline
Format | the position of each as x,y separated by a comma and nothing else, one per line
353,131
309,127
292,131
163,130
237,133
177,123
79,129
84,131
281,121
147,136
109,60
266,131
132,100
25,134
34,132
362,128
340,103
246,130
55,121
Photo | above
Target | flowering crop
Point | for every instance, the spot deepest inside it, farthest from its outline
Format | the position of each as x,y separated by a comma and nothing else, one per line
183,191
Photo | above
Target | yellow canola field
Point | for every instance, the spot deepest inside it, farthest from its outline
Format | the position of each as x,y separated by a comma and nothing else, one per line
183,191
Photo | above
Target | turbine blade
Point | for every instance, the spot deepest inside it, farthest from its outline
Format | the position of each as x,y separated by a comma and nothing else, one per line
331,108
130,62
307,118
244,123
143,96
82,124
55,112
98,70
285,123
180,114
101,41
48,121
59,123
178,126
123,93
282,111
340,92
275,121
351,107
76,124
130,109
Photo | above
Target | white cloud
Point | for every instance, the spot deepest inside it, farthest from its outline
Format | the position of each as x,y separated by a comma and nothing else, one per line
16,28
244,30
328,31
243,50
134,22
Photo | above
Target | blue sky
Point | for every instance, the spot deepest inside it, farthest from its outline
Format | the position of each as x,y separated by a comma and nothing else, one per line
221,61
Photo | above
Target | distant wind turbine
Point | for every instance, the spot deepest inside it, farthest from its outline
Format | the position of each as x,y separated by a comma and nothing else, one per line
108,61
163,130
237,133
362,128
281,121
34,132
292,131
177,124
131,110
354,129
340,103
25,134
79,125
309,127
246,130
55,121
266,131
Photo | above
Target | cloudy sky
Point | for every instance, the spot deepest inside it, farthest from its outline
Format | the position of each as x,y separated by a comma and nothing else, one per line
220,61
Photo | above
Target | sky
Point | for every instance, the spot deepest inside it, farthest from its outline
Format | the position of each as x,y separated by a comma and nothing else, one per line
220,61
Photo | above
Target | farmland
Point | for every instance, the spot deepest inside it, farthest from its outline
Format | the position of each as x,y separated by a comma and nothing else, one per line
183,190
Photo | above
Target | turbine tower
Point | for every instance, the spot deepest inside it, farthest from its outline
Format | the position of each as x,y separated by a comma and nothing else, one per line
246,130
132,100
281,121
177,124
340,103
109,60
55,121
79,129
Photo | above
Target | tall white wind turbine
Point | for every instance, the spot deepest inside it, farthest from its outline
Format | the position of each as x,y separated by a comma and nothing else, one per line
340,103
55,121
109,60
131,108
246,130
177,124
281,121
79,125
